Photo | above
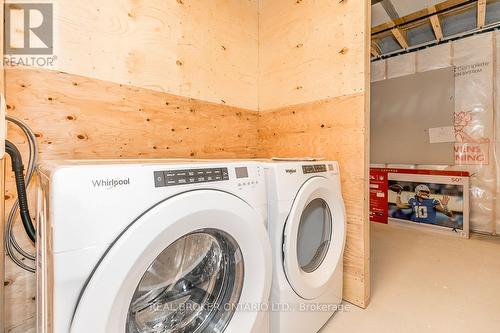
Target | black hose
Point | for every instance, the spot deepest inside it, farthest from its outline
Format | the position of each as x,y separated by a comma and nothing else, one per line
18,169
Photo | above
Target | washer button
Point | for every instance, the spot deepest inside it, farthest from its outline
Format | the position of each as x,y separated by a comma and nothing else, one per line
159,179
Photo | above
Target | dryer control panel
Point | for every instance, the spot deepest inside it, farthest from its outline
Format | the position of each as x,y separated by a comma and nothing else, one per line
190,176
307,169
317,168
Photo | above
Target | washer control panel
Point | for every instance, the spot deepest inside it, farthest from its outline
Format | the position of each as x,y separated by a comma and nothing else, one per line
190,176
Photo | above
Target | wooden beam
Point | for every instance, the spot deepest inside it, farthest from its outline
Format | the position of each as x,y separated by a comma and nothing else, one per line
436,26
440,7
481,13
375,50
400,37
436,23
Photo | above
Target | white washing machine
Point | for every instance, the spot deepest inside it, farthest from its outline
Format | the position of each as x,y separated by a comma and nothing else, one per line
153,246
307,227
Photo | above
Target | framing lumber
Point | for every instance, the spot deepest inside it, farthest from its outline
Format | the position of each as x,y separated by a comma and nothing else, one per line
421,14
400,37
436,23
481,13
375,50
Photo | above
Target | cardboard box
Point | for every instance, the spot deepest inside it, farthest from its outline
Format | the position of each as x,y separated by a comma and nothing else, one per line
431,199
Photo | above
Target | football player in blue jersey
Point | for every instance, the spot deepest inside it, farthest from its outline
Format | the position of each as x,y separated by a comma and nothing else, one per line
423,206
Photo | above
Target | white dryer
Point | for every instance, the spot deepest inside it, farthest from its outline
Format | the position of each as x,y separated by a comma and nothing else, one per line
153,246
307,228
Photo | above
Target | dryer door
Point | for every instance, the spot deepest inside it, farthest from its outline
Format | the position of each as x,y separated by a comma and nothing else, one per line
314,237
193,263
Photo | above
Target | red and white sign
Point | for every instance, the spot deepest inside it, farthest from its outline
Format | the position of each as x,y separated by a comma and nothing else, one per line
396,197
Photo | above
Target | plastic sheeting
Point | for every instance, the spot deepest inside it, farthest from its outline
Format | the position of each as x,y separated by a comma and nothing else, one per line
476,146
405,64
378,70
497,127
474,125
433,58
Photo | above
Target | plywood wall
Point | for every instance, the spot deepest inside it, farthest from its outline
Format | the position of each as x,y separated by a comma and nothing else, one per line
2,38
314,101
311,50
200,49
81,117
2,185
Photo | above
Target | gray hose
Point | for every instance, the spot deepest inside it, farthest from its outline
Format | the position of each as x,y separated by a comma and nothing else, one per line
13,249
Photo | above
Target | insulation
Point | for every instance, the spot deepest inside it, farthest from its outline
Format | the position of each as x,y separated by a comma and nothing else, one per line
378,71
436,57
497,125
474,130
405,64
475,145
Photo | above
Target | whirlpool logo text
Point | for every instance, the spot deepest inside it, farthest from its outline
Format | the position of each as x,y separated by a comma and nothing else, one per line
111,183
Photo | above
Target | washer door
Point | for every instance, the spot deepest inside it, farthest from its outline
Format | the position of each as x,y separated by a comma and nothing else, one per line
193,263
314,237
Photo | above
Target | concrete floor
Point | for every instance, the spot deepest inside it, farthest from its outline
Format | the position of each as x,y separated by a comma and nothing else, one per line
423,282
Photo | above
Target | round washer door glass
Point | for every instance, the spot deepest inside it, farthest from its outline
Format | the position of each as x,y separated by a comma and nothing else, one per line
192,286
314,235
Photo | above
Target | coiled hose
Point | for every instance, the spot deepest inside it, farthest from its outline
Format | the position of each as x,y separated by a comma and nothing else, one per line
14,250
18,169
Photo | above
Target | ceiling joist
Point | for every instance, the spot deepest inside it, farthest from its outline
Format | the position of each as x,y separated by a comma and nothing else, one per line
436,23
375,50
435,15
441,8
400,37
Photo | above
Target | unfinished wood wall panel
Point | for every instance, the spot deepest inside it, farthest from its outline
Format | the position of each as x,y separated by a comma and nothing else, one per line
330,129
310,50
201,49
78,117
314,100
2,39
2,180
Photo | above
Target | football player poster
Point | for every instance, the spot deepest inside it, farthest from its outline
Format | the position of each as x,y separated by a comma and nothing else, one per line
419,198
416,202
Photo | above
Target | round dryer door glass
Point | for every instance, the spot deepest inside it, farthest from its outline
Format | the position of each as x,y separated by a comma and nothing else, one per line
314,236
192,286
